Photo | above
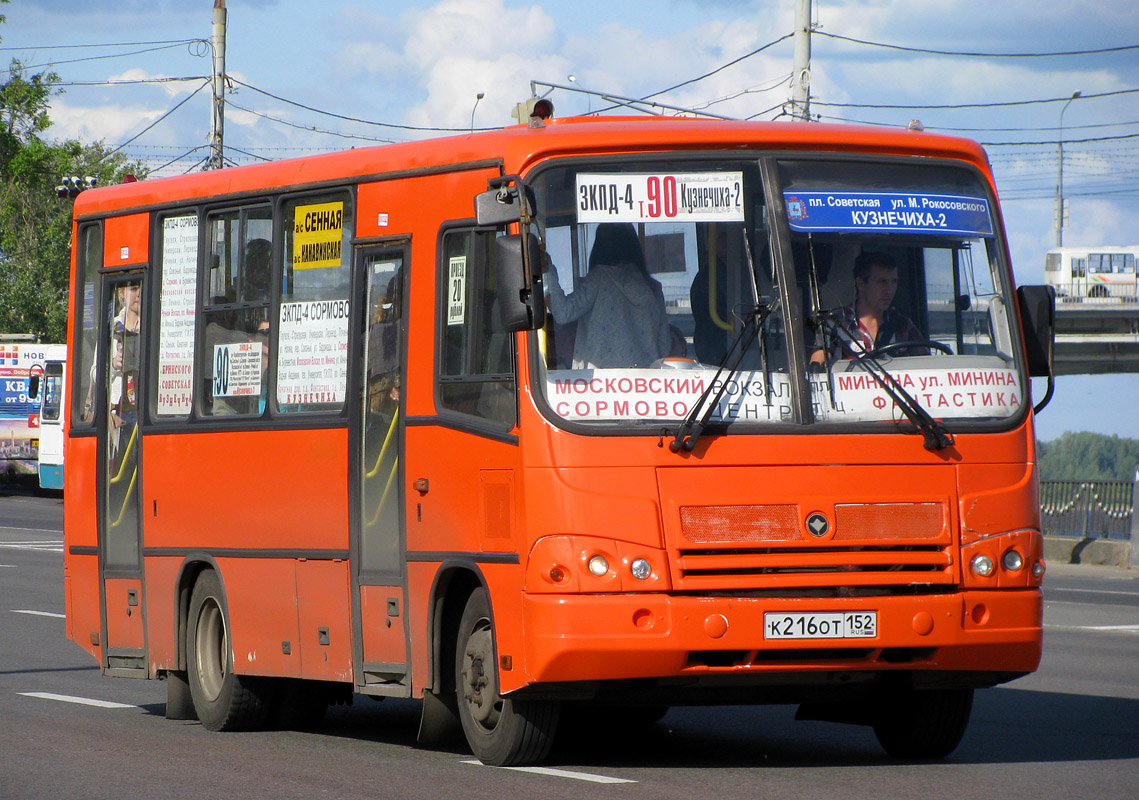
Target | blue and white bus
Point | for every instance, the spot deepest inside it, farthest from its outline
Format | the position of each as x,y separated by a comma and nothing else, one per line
28,394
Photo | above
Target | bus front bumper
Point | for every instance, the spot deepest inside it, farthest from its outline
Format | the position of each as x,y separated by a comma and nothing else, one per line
575,638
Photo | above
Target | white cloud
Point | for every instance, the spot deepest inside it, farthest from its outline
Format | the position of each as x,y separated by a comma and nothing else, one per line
100,122
452,63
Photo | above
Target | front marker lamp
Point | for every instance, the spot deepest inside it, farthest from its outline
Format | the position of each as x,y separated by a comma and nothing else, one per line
1012,560
598,566
640,568
982,565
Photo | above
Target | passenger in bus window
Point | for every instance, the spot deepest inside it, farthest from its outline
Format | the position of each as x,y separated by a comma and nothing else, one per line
619,308
262,335
123,401
871,319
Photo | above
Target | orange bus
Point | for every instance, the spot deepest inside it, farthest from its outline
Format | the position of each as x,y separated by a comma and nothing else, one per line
578,414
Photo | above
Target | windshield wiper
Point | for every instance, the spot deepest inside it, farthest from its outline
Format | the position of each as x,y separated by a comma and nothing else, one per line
754,327
933,431
829,324
693,425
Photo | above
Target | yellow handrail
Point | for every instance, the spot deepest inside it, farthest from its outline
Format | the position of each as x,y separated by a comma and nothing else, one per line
384,447
126,456
126,499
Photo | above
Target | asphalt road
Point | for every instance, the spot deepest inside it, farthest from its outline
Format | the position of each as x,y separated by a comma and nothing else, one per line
1071,730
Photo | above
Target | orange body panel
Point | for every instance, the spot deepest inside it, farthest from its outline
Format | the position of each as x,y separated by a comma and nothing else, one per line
81,599
383,633
126,240
325,634
124,613
257,490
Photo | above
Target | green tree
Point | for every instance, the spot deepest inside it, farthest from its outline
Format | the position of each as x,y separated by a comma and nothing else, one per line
1088,457
35,224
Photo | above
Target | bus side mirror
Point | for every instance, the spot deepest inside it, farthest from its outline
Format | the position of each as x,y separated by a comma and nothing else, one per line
33,387
518,282
497,207
507,200
1038,321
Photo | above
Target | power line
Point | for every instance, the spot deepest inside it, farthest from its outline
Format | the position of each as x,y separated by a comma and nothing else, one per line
1066,141
731,63
976,55
309,128
184,100
129,81
351,119
55,64
1004,104
104,44
986,130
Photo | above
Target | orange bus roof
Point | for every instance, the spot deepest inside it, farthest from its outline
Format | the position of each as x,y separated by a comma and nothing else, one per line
517,147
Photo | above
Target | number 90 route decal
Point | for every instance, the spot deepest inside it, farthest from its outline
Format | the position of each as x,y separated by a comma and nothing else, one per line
660,197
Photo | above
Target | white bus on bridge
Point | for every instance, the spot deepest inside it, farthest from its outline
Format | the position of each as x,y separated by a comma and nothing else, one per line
1098,272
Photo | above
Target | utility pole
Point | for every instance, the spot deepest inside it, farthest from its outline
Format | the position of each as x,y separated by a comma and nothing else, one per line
801,71
217,116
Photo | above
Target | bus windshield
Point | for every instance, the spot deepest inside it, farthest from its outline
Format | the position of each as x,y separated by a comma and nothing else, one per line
661,274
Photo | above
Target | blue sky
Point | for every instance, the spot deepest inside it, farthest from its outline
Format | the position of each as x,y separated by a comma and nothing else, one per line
421,64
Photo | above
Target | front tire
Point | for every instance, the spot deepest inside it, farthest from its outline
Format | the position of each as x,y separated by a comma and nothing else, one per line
923,725
500,731
223,701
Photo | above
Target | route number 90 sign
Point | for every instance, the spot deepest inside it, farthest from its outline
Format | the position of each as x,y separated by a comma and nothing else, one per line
660,197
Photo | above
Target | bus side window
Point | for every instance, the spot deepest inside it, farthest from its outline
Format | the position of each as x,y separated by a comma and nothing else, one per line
477,354
233,355
90,261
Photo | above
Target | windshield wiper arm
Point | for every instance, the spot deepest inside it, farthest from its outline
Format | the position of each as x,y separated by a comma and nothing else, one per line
693,425
933,431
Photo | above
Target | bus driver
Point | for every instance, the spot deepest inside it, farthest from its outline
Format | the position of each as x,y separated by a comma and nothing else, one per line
871,320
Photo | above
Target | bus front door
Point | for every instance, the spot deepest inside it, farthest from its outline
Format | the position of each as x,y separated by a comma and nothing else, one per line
120,534
379,574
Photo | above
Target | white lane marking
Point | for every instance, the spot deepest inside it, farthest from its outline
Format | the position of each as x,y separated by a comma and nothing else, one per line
560,773
84,701
43,545
1090,591
1098,628
7,566
38,613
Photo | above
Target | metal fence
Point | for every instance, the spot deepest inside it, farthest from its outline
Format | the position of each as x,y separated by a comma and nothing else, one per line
1089,509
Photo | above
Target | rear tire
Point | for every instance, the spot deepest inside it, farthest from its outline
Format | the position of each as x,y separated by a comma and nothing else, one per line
223,701
923,725
500,731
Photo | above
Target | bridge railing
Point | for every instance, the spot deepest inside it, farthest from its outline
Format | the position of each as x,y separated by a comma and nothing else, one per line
1088,509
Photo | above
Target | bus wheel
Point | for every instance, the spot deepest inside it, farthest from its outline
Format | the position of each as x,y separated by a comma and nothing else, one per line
923,725
224,701
500,731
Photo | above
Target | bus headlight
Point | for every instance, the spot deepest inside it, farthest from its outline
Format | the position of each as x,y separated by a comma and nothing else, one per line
598,566
982,566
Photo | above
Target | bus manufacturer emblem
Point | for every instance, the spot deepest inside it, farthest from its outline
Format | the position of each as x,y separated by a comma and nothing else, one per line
818,525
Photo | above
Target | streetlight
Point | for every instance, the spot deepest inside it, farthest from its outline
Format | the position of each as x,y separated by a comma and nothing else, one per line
478,98
1060,175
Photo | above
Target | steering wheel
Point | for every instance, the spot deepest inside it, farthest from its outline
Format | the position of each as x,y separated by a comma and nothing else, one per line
893,347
